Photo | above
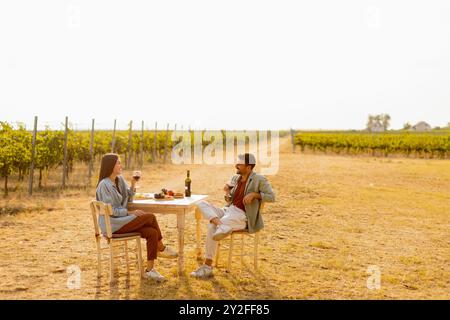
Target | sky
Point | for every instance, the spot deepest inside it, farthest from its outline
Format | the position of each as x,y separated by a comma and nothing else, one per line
231,64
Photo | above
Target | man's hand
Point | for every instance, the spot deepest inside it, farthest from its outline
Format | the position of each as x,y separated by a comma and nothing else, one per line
227,189
250,197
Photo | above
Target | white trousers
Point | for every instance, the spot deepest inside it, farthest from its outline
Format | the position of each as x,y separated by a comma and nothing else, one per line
231,216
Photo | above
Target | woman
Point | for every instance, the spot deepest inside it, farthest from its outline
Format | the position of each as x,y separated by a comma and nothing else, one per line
113,189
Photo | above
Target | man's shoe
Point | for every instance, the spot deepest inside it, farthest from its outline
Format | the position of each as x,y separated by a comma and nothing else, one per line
222,232
203,272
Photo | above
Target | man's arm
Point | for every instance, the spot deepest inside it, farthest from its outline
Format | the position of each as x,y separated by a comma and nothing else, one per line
265,191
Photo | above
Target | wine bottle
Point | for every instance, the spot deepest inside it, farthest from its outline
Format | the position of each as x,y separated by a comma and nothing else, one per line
187,185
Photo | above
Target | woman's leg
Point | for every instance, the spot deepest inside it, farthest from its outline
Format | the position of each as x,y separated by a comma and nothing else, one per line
137,223
151,236
153,223
145,220
148,227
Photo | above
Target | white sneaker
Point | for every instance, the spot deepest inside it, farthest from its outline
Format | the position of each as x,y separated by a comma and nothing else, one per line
168,253
203,271
222,232
154,275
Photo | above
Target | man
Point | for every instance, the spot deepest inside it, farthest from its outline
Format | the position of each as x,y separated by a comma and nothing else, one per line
244,195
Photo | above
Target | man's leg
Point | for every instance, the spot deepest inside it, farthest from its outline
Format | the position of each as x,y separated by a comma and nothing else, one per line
209,211
210,245
234,219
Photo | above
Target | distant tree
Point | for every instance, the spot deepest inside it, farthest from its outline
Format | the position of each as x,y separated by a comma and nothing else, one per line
378,120
407,126
370,121
386,119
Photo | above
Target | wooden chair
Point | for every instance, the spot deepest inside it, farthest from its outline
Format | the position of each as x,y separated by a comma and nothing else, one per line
231,246
113,241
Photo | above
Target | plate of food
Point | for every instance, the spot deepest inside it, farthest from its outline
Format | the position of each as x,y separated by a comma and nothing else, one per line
167,195
162,197
143,196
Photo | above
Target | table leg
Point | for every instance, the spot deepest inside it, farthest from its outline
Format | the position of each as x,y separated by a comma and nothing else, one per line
198,219
180,226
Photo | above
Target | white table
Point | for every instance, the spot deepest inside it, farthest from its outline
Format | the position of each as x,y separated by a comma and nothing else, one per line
180,207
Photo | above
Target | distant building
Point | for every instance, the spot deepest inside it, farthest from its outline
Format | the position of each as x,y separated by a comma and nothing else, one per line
421,127
376,126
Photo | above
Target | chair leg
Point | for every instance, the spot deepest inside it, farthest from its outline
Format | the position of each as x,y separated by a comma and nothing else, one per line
242,248
139,257
256,251
99,257
216,263
230,252
111,262
126,256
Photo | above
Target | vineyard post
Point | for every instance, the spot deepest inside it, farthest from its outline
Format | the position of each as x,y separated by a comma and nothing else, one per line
130,136
175,128
191,144
65,154
166,143
113,142
91,152
141,147
33,154
293,140
154,142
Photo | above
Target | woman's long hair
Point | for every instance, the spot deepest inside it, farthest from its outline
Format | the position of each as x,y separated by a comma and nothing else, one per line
109,161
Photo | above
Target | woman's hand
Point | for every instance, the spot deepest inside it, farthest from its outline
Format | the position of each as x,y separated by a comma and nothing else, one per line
137,213
135,178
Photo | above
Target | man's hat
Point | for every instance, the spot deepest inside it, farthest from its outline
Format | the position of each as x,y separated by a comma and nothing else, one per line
246,158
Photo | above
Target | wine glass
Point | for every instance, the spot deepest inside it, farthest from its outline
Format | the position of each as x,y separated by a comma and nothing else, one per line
136,176
230,185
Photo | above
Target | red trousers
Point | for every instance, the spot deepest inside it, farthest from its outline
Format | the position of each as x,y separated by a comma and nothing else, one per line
148,227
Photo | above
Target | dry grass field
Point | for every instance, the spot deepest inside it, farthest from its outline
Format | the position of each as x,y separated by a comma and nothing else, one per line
334,217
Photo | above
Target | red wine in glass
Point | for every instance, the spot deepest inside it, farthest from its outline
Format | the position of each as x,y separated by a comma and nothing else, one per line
137,176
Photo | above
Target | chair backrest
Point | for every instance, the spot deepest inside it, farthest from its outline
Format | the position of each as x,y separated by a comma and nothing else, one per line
98,209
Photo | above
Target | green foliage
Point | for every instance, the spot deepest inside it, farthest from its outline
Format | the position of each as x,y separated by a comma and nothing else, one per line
434,144
16,144
7,149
